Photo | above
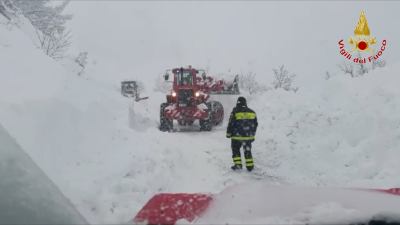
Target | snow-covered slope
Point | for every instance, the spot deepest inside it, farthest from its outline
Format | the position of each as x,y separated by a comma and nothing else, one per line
341,131
109,158
27,74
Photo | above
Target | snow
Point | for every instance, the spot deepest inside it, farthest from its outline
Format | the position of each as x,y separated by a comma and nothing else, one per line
202,106
106,154
298,205
19,83
348,131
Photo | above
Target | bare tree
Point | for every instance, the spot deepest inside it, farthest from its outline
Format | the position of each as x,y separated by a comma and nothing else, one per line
378,64
3,10
327,75
283,79
54,45
49,22
8,9
44,17
347,68
81,60
248,83
362,69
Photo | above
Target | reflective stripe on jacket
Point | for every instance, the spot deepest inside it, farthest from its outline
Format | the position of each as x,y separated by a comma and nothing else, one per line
242,124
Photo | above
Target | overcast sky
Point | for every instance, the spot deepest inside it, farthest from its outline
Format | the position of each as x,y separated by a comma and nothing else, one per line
135,37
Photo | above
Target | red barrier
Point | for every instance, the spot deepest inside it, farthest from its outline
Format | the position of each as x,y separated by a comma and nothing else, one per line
168,208
393,191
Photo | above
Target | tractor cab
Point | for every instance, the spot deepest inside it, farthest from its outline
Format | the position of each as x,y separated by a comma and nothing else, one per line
184,77
185,91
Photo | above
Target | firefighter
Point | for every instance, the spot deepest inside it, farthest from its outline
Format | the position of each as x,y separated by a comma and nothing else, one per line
241,130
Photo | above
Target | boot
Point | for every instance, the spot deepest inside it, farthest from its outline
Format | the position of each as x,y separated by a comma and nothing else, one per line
237,163
236,167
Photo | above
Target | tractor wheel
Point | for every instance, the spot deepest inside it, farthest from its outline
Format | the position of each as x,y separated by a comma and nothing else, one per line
206,124
165,123
217,112
181,122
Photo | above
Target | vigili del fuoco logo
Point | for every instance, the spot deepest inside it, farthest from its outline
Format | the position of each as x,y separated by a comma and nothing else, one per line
362,44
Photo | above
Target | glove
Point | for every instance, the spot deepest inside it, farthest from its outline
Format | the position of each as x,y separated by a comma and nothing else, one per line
228,135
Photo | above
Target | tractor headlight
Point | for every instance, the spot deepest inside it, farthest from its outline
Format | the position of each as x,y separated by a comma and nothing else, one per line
174,94
197,94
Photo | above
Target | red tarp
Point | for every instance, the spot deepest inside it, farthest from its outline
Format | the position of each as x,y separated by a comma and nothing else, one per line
168,208
393,191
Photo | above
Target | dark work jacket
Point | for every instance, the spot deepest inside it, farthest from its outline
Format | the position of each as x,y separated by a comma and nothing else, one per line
242,124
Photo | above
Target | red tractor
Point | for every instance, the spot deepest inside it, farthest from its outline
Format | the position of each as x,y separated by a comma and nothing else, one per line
189,99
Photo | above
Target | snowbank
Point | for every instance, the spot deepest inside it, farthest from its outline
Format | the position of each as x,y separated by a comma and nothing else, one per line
260,203
338,132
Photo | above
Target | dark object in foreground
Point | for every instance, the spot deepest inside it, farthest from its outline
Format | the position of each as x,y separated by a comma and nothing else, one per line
27,195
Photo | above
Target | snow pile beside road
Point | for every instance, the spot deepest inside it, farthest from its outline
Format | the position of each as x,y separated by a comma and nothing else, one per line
260,203
338,132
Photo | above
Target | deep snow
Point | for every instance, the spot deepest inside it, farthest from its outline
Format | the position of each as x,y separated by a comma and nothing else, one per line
298,205
109,158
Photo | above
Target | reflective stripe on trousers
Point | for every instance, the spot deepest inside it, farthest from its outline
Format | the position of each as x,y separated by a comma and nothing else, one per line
237,160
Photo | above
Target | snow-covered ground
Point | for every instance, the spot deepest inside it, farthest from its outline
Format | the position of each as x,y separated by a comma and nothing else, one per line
298,205
108,156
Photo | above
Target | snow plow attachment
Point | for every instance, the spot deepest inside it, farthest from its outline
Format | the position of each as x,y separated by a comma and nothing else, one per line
169,208
130,89
222,87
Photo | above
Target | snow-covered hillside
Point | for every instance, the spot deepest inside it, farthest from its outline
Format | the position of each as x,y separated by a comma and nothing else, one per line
108,156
